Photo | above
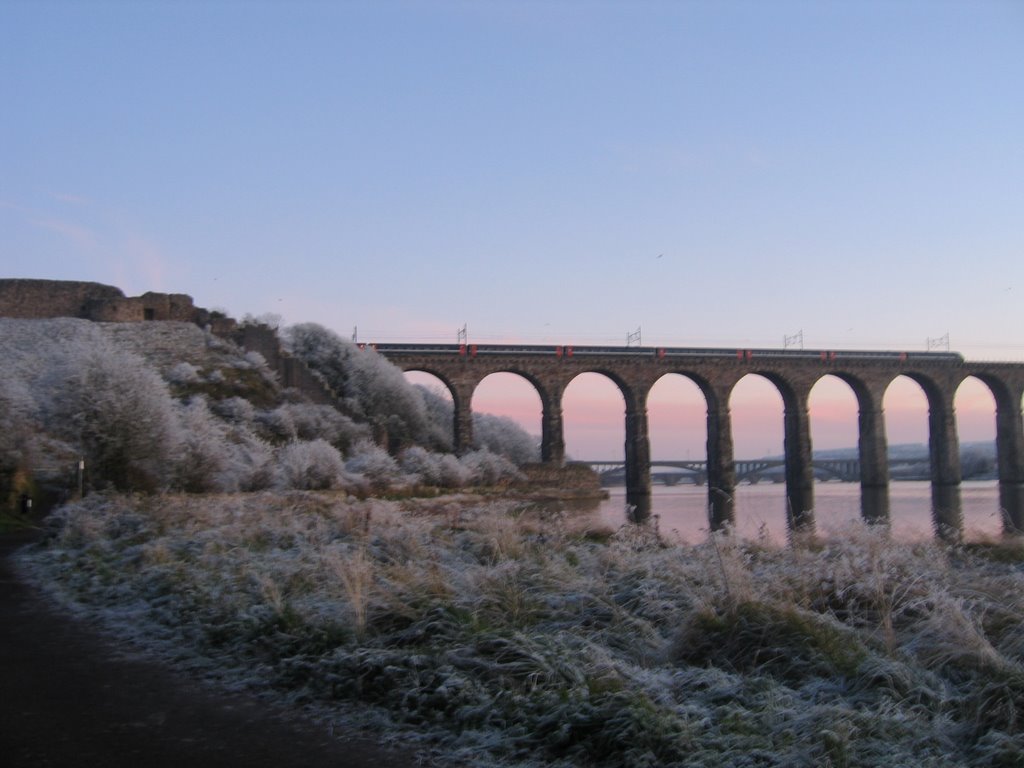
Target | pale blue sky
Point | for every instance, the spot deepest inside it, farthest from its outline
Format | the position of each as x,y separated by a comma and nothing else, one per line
713,173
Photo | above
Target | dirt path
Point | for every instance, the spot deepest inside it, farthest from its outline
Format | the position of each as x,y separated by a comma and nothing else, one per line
69,697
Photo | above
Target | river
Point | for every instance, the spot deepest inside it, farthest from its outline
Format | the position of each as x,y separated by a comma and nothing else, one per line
761,509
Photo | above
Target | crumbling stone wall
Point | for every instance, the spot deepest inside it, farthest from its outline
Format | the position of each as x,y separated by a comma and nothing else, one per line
39,299
35,299
53,298
292,372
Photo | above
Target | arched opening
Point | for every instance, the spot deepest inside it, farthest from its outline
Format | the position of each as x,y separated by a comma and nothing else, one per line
593,414
976,427
677,428
440,408
758,430
594,423
833,409
677,419
906,427
507,417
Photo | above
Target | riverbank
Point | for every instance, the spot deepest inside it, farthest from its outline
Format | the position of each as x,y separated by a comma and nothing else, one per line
511,634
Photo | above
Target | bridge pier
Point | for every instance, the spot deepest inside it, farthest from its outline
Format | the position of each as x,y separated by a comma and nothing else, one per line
552,441
638,458
873,450
799,472
944,452
1010,456
721,468
462,399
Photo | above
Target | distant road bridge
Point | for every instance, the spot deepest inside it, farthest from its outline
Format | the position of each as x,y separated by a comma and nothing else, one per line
634,370
749,470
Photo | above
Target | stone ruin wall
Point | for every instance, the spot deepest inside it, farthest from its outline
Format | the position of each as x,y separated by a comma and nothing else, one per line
42,299
37,299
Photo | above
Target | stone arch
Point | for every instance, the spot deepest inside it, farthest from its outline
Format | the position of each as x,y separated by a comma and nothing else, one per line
720,475
418,378
1008,395
575,379
456,394
943,453
636,444
872,446
702,386
797,448
535,387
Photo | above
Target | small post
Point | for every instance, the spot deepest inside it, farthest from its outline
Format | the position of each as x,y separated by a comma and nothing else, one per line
81,478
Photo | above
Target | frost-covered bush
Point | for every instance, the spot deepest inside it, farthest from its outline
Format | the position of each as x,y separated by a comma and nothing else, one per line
371,387
501,435
183,373
235,410
486,468
205,459
254,462
440,416
498,434
368,459
440,469
306,421
310,465
119,411
255,359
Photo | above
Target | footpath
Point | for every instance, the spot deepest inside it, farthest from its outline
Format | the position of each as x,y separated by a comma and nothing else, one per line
70,697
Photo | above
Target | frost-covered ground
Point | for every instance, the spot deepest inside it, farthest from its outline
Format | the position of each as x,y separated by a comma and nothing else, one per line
501,633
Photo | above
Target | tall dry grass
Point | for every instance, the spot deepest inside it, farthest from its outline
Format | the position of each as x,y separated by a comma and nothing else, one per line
510,634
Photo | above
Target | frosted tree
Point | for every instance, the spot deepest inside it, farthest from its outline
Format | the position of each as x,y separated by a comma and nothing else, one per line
501,435
310,465
306,421
371,388
119,411
498,434
203,462
374,463
440,469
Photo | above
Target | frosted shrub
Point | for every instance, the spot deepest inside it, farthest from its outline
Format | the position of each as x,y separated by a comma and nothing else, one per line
204,458
486,468
183,373
501,435
310,465
497,434
119,411
371,387
372,462
253,462
440,469
255,359
305,421
236,410
440,418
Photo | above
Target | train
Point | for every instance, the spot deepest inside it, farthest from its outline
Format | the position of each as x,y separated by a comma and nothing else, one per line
671,353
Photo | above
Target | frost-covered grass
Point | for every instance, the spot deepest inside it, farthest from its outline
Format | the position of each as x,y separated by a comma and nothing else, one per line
502,633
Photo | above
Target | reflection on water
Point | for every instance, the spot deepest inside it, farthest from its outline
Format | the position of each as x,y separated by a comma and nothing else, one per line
761,509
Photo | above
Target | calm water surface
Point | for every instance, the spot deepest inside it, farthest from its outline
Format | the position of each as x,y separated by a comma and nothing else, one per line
761,509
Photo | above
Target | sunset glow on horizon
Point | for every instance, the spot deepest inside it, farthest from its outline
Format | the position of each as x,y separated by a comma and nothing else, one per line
729,174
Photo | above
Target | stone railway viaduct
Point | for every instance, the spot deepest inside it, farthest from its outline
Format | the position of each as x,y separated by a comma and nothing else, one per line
793,372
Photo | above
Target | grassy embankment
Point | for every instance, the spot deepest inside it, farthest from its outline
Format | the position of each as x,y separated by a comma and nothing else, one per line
498,632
